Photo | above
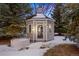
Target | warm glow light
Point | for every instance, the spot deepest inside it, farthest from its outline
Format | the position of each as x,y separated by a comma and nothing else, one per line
49,26
39,29
33,29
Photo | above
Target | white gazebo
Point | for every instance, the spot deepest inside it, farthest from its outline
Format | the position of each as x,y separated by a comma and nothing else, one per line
40,28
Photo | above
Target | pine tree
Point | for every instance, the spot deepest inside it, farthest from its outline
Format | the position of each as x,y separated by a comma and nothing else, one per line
57,15
10,17
72,16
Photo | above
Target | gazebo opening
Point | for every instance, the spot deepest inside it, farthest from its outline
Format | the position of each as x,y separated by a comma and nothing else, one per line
40,31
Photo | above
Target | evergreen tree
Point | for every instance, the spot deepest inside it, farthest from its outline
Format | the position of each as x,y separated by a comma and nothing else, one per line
72,16
57,15
11,18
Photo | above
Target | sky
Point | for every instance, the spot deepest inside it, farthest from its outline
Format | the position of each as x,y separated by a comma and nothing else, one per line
47,7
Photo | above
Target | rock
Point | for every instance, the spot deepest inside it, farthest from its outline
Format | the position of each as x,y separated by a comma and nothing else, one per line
20,43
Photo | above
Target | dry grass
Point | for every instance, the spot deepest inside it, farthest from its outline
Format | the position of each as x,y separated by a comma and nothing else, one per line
63,50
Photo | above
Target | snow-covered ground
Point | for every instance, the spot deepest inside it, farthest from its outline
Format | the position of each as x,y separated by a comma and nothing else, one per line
34,48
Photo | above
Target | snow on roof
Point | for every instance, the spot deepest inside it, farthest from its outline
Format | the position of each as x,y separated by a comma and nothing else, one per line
40,16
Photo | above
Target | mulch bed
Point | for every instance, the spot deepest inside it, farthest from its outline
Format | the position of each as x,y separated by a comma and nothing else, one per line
5,40
63,50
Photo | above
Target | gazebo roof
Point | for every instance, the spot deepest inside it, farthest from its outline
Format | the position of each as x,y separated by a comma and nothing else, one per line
40,17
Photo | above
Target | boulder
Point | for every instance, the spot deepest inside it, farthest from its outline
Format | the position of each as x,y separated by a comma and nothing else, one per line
20,43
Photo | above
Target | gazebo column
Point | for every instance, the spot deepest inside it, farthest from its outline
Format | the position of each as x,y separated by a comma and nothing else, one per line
35,35
46,30
33,30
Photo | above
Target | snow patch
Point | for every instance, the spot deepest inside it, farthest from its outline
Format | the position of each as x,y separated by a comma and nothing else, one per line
34,48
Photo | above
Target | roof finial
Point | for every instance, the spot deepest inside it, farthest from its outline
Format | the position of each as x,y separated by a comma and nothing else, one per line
39,10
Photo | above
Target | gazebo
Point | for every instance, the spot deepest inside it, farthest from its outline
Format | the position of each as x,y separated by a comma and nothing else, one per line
40,28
